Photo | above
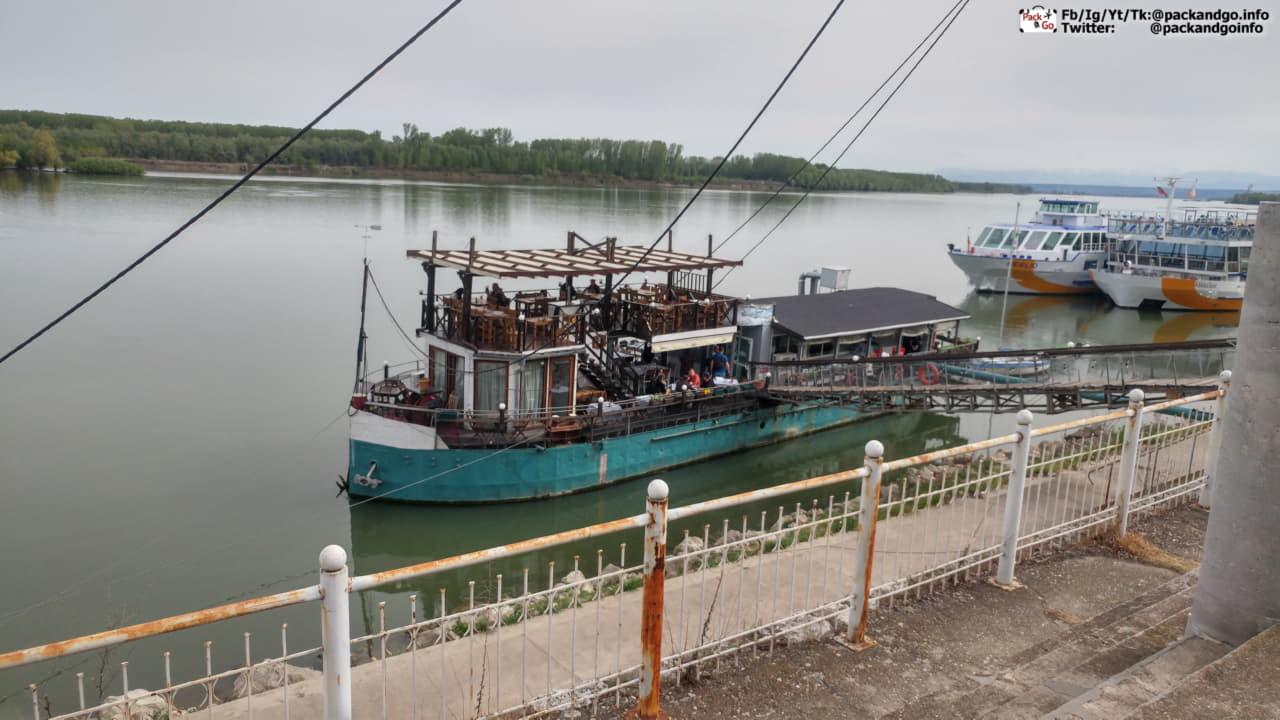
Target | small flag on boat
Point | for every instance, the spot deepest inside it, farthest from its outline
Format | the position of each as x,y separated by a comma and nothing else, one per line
1162,191
1192,192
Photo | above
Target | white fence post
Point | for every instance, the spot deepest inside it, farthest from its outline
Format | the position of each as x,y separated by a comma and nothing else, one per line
655,563
336,632
1013,503
1215,439
1129,461
868,510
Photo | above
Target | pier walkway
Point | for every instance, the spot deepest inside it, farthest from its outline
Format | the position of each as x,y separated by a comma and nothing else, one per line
1047,381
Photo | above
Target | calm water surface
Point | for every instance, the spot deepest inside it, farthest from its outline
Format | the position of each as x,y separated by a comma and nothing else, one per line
174,445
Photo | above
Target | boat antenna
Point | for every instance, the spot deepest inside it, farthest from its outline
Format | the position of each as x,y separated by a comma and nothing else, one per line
1008,278
1168,207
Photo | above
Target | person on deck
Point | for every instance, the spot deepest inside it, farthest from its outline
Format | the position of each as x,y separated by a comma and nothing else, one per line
500,298
719,363
593,288
566,289
692,379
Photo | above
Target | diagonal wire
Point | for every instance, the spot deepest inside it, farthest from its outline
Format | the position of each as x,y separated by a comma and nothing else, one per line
807,163
236,186
867,124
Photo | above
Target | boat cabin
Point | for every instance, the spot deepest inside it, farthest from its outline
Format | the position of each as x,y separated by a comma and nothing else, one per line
1059,226
571,336
865,322
1195,240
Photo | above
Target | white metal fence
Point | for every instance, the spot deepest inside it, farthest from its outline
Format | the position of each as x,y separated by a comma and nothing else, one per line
611,629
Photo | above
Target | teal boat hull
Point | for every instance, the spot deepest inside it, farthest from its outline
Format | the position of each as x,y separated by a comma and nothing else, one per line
530,473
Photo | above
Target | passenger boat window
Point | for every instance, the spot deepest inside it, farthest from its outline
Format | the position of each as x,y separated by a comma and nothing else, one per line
1052,242
1233,259
1011,243
1033,243
1072,241
986,232
533,386
490,385
783,344
996,237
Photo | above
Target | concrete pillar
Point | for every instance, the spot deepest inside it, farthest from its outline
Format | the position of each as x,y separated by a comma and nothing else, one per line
1238,594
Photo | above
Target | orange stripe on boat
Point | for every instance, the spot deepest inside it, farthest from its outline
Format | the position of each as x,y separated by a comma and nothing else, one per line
1183,292
1023,271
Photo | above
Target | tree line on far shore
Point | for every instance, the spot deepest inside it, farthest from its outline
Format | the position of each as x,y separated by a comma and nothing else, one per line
34,139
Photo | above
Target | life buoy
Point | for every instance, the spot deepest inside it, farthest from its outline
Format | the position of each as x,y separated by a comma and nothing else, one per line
929,374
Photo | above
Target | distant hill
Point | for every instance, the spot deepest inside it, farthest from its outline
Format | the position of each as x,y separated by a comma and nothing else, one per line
1070,178
1202,193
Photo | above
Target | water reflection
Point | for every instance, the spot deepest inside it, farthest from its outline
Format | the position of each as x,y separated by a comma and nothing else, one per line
10,181
48,186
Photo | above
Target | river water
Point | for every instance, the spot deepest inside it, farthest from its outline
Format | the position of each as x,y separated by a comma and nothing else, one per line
174,445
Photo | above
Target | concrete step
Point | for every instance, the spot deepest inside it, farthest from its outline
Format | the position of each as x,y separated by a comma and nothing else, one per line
1037,679
1128,690
1240,685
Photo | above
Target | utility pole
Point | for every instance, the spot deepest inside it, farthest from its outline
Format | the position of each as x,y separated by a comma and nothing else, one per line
1238,595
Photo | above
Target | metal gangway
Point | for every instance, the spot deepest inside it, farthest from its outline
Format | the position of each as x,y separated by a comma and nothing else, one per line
1046,380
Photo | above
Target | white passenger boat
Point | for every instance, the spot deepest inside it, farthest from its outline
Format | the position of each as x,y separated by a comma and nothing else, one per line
1196,260
1051,255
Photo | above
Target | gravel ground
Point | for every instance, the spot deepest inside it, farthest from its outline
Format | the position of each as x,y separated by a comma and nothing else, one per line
953,641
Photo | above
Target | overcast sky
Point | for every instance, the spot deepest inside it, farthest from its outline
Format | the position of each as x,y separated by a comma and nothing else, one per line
686,71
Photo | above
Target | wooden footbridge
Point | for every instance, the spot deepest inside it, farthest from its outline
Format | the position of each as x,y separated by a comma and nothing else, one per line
1048,380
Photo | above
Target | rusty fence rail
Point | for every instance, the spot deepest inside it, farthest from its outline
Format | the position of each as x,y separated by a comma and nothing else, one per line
610,631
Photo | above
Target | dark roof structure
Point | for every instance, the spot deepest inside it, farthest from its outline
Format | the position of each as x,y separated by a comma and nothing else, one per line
599,260
854,312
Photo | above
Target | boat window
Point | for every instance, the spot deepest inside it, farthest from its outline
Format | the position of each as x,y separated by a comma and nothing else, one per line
996,237
1244,259
491,384
1214,252
1033,243
1072,241
533,386
561,382
848,347
983,237
1195,251
1010,242
820,348
783,344
444,374
1052,242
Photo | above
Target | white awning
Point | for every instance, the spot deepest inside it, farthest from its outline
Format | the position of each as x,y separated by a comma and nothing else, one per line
692,339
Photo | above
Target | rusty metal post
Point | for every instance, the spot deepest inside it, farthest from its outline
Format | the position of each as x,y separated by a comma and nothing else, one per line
655,566
1013,503
336,628
868,507
1215,439
1129,461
